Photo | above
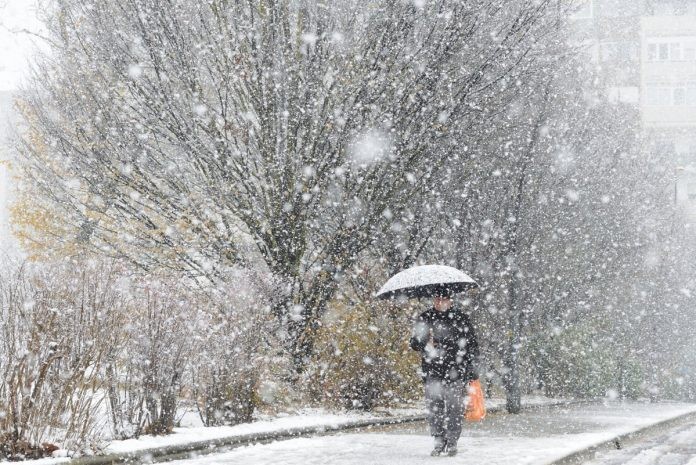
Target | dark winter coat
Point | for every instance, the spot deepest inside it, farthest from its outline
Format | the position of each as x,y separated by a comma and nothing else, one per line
454,349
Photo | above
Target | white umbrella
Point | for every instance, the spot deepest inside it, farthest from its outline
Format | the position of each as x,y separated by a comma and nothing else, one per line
426,281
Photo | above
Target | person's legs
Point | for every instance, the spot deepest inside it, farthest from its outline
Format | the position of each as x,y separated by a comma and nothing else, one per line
454,394
435,408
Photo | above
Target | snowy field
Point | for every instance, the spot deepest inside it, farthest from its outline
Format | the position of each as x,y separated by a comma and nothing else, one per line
530,438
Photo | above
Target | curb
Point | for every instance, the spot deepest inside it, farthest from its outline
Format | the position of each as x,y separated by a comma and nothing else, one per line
621,440
211,446
185,451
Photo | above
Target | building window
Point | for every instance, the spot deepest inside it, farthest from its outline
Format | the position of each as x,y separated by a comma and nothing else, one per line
675,51
671,8
657,95
618,51
691,190
663,52
618,8
672,49
670,94
690,94
652,52
690,51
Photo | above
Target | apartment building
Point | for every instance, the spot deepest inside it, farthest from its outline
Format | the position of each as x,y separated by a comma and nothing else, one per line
610,33
646,51
668,90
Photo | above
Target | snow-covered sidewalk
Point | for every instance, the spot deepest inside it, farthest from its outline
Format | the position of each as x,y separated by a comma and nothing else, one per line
539,436
304,420
194,437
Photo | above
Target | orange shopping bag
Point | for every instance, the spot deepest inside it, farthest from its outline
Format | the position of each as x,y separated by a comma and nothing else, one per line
475,406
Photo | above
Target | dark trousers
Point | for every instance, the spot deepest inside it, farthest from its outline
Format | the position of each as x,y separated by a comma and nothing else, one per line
444,402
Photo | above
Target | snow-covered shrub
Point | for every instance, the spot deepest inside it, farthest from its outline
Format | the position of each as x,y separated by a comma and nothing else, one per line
146,374
189,341
578,362
226,372
362,357
233,334
57,329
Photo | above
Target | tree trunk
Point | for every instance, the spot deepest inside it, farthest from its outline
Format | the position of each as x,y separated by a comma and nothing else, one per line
511,380
302,313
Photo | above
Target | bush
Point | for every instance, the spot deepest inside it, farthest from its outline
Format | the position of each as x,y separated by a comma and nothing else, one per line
227,371
56,331
362,357
203,342
146,375
82,342
577,362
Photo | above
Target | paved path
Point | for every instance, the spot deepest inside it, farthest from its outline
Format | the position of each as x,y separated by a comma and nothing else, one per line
534,437
675,447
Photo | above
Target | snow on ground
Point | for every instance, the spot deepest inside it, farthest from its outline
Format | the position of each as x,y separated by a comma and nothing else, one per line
45,461
192,431
535,437
674,447
305,418
529,437
202,433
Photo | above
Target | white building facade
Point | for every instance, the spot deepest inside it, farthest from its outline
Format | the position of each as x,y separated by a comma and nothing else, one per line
646,51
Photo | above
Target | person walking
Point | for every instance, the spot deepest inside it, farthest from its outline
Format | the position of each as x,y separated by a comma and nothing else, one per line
449,349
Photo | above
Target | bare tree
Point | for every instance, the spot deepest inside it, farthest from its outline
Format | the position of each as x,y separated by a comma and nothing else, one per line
176,134
543,214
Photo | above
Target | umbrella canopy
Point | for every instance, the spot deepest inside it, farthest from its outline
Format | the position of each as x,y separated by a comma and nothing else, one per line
426,281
